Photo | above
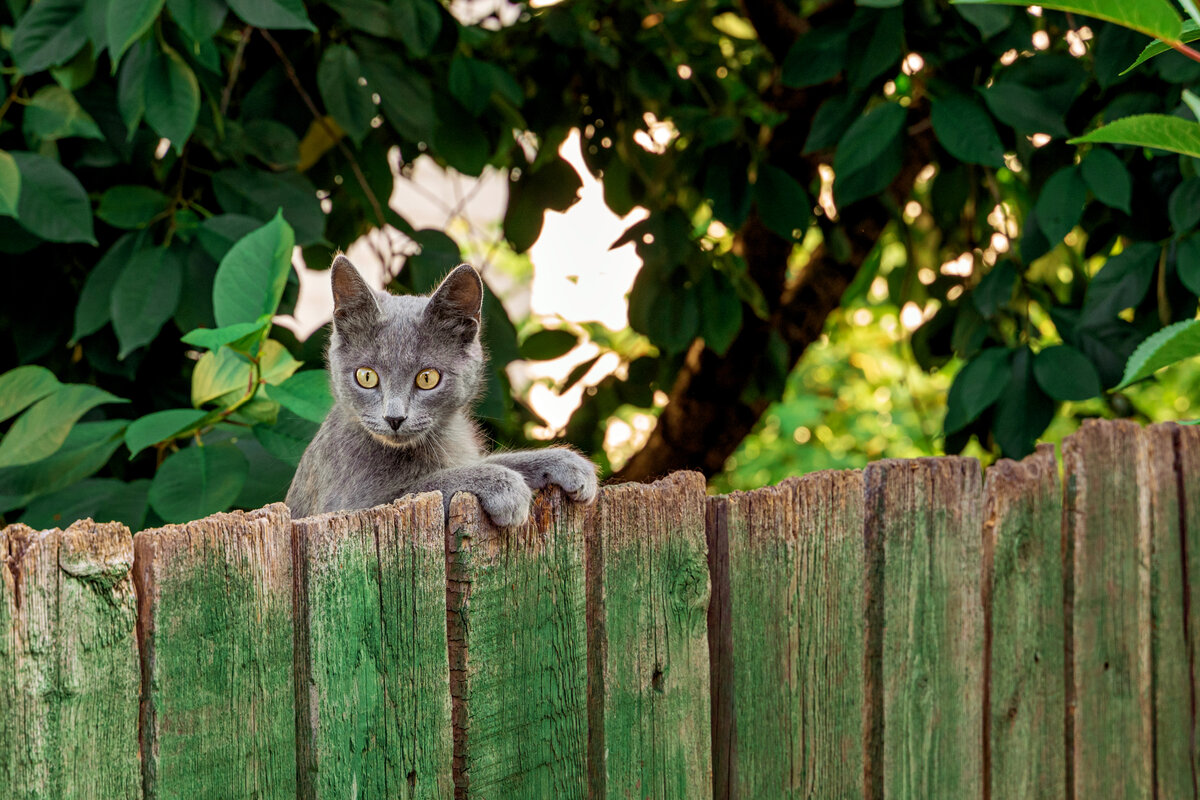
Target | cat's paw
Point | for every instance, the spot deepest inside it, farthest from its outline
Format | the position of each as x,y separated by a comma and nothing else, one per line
565,468
506,498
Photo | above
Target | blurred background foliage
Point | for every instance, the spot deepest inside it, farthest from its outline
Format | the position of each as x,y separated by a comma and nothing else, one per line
865,232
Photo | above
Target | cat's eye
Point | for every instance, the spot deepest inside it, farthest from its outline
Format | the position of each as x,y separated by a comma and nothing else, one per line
428,378
366,377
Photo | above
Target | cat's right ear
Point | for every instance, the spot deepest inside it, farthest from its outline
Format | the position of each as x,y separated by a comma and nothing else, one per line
354,304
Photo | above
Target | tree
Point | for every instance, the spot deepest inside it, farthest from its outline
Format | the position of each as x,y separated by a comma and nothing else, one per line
159,158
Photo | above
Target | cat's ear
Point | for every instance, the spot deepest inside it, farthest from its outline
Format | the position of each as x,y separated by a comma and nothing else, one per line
354,303
459,301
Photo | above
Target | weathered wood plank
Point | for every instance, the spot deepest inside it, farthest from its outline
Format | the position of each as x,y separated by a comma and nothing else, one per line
216,635
518,651
1187,478
1023,553
795,627
925,618
1110,725
68,663
372,684
648,674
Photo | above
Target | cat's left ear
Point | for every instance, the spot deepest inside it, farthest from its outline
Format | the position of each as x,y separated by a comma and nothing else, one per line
459,300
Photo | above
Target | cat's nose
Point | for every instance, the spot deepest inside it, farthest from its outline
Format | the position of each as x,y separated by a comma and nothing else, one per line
395,422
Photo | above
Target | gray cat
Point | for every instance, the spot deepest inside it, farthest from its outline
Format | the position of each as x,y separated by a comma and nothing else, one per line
404,372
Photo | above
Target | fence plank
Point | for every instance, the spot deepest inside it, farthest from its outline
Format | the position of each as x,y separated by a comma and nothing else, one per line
372,683
1187,477
926,627
215,626
1108,622
648,675
68,663
518,651
795,628
1023,543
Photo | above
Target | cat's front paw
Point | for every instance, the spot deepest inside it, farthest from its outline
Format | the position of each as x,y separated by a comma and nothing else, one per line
506,498
566,468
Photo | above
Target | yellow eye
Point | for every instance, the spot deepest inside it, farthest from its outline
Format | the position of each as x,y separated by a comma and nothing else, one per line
428,378
366,377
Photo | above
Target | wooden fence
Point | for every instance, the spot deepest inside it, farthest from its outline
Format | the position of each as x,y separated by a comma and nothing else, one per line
911,630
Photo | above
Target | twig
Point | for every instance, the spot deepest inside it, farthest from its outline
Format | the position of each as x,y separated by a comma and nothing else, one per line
319,118
1187,51
12,96
235,67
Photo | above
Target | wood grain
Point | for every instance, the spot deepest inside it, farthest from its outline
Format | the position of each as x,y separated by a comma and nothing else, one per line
648,678
926,624
1187,480
216,634
795,627
1022,544
518,651
372,684
68,663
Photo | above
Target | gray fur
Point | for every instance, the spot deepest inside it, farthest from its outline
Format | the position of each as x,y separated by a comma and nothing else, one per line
357,460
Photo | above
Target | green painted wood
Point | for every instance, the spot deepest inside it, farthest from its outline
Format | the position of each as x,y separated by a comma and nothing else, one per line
1187,477
68,663
1108,622
795,633
1022,553
518,651
216,635
926,628
648,675
372,682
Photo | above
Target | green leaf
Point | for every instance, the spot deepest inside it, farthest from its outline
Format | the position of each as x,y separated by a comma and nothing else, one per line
1108,179
418,22
545,345
131,207
23,386
995,290
472,83
1064,373
555,185
213,338
461,141
273,14
990,20
1190,33
100,499
305,393
161,426
720,312
345,98
200,19
870,57
967,131
288,438
1170,345
53,204
976,386
127,21
260,194
1060,203
405,96
88,447
1152,17
53,113
95,300
251,277
224,376
217,235
1024,108
1174,134
783,204
816,57
10,185
1187,262
1184,206
48,33
1121,283
832,120
41,430
172,98
198,481
131,84
868,156
145,296
268,479
1023,410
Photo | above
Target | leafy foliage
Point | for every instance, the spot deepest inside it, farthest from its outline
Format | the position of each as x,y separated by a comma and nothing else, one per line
1027,211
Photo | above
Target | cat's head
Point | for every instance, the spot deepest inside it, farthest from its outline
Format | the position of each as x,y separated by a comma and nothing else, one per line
403,365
